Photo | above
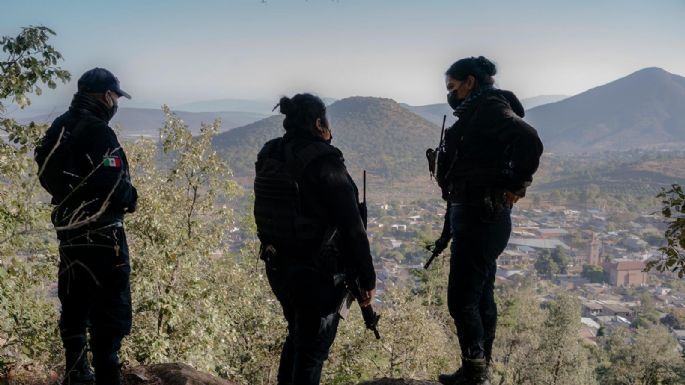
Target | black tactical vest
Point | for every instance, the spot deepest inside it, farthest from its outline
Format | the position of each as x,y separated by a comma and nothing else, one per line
278,207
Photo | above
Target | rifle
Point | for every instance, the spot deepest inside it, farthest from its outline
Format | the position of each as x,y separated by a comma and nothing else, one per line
353,291
432,154
362,206
441,243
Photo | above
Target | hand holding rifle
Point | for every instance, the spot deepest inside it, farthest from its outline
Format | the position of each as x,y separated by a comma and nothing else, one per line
365,297
441,243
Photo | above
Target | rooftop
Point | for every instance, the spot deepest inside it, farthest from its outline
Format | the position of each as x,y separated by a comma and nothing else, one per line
538,243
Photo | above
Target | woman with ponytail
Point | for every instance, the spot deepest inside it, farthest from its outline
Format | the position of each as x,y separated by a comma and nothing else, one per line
311,233
489,158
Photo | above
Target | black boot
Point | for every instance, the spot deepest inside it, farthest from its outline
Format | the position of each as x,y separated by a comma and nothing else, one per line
472,372
453,378
106,359
109,376
107,369
77,371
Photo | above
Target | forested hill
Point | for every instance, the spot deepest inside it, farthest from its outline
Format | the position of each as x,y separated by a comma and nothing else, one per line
375,134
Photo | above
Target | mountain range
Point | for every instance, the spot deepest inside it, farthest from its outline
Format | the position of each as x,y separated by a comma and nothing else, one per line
434,112
257,106
135,122
645,109
375,134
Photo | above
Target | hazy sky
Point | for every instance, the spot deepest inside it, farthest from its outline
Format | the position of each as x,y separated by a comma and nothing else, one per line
176,51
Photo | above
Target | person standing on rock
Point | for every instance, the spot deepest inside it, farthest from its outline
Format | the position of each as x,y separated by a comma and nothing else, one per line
310,227
490,155
82,165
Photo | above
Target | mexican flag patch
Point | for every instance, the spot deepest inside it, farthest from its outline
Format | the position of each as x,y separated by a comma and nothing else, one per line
111,161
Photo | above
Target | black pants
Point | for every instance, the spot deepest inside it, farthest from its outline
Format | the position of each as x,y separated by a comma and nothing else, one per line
95,293
309,300
476,244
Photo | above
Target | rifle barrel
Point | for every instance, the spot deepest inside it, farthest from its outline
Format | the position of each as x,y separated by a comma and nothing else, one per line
442,132
365,187
430,260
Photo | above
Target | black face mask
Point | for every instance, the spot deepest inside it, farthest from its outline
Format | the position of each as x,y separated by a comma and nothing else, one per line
453,100
113,110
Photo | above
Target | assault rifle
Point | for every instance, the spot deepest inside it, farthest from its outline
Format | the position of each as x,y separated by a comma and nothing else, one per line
433,153
353,291
441,243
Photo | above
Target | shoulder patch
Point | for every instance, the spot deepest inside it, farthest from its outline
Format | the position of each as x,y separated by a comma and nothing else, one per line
111,161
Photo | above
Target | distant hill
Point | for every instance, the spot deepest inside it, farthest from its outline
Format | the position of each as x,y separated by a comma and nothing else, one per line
374,134
147,121
263,107
645,109
636,171
434,112
258,106
625,179
539,100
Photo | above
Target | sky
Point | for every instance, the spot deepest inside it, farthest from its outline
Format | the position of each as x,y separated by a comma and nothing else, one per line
176,51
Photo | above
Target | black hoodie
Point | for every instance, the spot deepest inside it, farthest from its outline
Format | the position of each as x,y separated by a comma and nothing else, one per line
100,182
490,146
328,192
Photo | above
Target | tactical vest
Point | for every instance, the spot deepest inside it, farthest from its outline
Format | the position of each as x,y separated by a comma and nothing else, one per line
468,177
278,206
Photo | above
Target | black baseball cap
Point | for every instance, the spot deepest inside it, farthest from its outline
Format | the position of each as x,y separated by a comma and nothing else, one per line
100,80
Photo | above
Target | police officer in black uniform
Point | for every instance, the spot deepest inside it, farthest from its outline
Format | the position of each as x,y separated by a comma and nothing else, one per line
310,228
489,159
85,169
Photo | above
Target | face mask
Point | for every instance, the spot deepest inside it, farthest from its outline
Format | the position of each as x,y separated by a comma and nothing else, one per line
453,100
113,109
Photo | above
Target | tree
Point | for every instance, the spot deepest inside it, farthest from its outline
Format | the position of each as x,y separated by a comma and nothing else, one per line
646,356
675,319
561,358
537,345
673,209
646,315
592,273
546,266
28,327
552,262
179,225
518,336
415,343
28,63
561,258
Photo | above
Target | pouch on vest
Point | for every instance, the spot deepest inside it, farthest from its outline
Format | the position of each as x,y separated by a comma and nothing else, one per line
278,209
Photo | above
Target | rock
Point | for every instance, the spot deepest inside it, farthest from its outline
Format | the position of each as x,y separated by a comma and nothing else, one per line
170,374
398,381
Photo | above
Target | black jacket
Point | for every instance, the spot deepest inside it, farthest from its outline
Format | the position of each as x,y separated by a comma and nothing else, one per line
328,193
489,147
100,181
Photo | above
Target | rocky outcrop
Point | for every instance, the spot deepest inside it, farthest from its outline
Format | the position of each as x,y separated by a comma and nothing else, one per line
396,381
170,374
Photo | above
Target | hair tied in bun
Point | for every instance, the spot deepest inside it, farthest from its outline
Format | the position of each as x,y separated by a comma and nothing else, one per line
487,65
287,105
